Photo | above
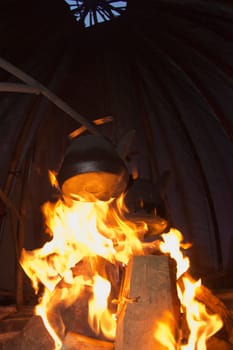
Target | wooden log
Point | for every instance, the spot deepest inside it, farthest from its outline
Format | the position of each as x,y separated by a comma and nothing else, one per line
215,343
34,336
226,296
148,292
5,339
216,306
74,341
213,305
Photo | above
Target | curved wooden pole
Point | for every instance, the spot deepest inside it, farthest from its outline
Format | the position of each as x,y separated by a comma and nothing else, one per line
9,204
39,88
18,87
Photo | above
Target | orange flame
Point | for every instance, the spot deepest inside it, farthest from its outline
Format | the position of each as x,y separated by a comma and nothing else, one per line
79,230
172,242
100,317
53,178
163,332
201,324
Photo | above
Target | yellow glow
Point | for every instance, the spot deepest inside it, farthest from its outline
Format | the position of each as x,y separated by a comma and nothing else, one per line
201,325
78,230
100,319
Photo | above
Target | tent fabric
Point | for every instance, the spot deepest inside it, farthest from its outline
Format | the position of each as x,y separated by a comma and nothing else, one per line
165,70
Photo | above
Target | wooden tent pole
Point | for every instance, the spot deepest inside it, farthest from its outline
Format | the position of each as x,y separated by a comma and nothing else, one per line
18,87
9,204
21,229
38,87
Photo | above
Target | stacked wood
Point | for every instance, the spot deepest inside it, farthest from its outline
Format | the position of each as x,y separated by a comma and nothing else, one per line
35,337
66,320
148,291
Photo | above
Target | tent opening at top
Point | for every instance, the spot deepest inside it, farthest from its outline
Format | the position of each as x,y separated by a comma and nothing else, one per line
92,12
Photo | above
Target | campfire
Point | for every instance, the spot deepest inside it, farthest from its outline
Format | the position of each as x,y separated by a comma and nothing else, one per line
91,247
109,278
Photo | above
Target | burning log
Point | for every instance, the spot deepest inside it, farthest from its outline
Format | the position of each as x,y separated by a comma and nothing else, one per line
216,343
75,341
215,305
34,336
148,291
81,268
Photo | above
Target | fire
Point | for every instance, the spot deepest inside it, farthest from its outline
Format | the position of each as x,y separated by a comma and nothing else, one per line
80,230
53,179
100,317
201,325
91,231
172,242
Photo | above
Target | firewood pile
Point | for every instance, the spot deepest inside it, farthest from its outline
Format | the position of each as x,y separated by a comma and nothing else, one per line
148,289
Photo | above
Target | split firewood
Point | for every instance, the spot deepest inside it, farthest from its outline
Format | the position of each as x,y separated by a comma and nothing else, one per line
215,343
34,336
216,306
74,341
148,294
6,311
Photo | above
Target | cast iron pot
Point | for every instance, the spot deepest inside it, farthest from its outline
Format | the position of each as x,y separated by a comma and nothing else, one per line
92,169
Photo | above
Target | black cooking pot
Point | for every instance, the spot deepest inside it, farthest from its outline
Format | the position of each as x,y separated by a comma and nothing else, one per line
92,168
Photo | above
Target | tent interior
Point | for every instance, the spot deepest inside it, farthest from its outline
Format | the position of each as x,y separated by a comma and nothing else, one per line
163,69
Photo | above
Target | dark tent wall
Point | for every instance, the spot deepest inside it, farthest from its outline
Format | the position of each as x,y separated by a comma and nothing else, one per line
163,69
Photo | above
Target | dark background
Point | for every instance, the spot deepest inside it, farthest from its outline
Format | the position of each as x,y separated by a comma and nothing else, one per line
165,69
